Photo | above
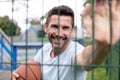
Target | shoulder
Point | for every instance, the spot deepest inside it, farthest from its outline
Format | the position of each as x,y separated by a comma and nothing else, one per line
74,48
76,45
47,46
45,49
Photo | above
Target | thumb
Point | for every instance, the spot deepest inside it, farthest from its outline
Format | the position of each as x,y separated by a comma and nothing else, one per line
87,10
14,75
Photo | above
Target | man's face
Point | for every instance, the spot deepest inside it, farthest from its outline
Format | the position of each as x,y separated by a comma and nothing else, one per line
59,31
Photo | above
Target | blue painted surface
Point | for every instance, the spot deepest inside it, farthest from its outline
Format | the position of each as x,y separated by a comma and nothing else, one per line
14,51
29,43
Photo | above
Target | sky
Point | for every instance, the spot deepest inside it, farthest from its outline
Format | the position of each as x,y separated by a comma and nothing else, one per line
36,8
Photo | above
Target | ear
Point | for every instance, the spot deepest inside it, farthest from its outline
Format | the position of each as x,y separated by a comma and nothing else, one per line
46,27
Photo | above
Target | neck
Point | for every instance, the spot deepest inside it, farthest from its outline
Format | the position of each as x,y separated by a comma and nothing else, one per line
57,51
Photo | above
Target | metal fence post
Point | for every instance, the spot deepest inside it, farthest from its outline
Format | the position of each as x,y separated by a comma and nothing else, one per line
14,57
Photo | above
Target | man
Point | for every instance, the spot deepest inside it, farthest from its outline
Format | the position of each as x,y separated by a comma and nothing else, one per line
64,59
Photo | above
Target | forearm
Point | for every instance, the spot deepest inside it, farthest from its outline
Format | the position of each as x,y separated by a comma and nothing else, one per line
94,54
99,52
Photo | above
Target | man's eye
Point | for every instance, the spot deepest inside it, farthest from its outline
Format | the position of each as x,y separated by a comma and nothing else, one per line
65,27
54,26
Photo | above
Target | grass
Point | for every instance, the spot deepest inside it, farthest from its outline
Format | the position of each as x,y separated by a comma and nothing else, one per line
97,74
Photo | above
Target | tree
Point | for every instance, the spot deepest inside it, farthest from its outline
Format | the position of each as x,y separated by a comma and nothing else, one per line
41,33
34,22
9,27
38,22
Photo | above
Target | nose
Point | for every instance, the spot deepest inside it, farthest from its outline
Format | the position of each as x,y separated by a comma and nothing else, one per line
59,32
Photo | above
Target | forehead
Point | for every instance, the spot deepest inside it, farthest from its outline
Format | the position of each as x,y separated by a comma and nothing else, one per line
61,19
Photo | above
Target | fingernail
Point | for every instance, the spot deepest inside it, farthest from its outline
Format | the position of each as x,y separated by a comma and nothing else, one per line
17,75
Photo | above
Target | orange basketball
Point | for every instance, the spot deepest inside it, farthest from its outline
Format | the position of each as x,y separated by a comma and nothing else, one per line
29,71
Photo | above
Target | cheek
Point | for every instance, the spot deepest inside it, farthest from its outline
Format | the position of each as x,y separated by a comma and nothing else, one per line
50,31
68,34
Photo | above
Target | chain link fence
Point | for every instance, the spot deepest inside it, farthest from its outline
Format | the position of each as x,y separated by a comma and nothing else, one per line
109,70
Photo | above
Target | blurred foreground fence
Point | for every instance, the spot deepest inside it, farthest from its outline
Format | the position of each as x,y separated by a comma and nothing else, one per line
9,52
113,63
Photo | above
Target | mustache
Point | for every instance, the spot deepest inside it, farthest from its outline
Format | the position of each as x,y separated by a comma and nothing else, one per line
58,37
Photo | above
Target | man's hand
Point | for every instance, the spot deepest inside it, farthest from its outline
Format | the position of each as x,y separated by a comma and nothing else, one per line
102,20
14,75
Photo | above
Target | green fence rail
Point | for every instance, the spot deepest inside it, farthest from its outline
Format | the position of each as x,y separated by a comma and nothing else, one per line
110,70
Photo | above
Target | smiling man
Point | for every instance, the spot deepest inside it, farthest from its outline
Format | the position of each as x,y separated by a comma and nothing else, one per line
64,59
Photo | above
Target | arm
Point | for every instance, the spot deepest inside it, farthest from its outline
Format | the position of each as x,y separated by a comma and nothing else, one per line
93,56
102,35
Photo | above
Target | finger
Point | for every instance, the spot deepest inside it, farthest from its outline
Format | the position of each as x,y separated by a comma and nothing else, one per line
13,78
86,17
101,2
118,1
101,7
15,75
116,4
86,10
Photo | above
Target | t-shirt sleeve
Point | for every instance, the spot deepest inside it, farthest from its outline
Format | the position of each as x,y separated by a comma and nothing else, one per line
42,52
38,56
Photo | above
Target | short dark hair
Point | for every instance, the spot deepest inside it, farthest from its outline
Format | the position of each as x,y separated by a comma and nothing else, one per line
61,10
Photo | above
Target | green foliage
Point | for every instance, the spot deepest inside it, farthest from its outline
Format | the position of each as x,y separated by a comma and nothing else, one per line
38,22
89,1
88,42
43,39
41,34
111,70
114,61
35,22
9,27
97,74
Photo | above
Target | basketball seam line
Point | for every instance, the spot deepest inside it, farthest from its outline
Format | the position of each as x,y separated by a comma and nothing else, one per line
33,72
